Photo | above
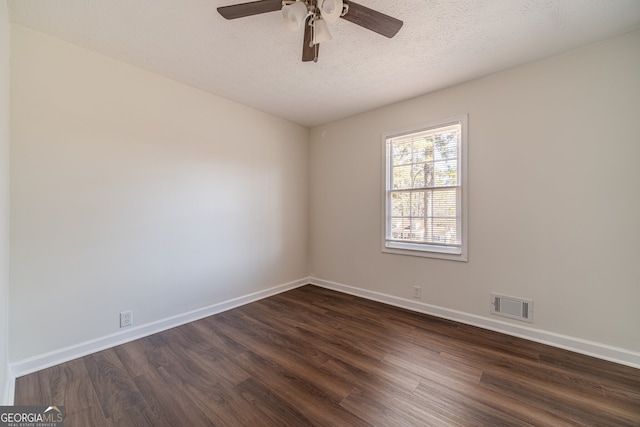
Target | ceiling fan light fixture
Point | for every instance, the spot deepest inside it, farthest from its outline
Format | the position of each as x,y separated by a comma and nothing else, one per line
314,15
320,31
330,9
294,14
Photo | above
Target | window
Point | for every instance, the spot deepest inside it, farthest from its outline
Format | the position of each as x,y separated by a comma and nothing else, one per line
425,190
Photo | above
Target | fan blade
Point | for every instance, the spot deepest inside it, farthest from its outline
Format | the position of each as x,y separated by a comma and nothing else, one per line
372,20
252,8
309,50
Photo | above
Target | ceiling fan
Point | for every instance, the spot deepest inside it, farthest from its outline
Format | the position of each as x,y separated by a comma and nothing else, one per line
314,15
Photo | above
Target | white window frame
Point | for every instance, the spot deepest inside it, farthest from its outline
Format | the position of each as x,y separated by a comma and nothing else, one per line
420,249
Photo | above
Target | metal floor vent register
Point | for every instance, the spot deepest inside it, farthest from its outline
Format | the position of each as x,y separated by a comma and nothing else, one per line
514,308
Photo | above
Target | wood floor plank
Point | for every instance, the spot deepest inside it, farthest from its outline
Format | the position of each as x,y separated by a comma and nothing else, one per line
316,357
299,393
70,383
174,408
29,391
380,409
119,398
334,333
601,370
459,405
435,369
622,396
358,355
92,416
576,406
532,370
441,379
139,358
367,380
249,334
269,336
473,401
275,410
144,364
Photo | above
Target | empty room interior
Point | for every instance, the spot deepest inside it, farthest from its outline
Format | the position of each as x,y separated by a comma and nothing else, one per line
321,213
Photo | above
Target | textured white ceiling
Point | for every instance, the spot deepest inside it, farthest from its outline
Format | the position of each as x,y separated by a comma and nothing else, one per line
256,60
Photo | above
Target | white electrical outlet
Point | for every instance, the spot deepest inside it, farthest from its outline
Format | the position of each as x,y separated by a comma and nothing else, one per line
126,319
417,292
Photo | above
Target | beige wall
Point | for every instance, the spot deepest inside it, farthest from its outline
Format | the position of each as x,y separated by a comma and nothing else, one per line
554,205
132,192
4,201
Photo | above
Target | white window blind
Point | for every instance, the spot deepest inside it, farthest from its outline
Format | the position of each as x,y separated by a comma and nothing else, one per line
423,209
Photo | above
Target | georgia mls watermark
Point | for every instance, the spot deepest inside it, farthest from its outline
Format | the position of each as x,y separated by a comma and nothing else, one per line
31,416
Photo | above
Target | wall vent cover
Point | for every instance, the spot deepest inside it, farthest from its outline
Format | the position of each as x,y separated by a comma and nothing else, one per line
511,307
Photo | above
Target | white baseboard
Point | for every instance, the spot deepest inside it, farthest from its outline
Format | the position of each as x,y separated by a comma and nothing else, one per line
42,361
578,345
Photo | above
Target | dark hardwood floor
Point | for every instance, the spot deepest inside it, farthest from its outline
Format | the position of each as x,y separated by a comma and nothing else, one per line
312,356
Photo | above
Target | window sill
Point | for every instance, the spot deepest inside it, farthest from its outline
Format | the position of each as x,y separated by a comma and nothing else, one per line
412,249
